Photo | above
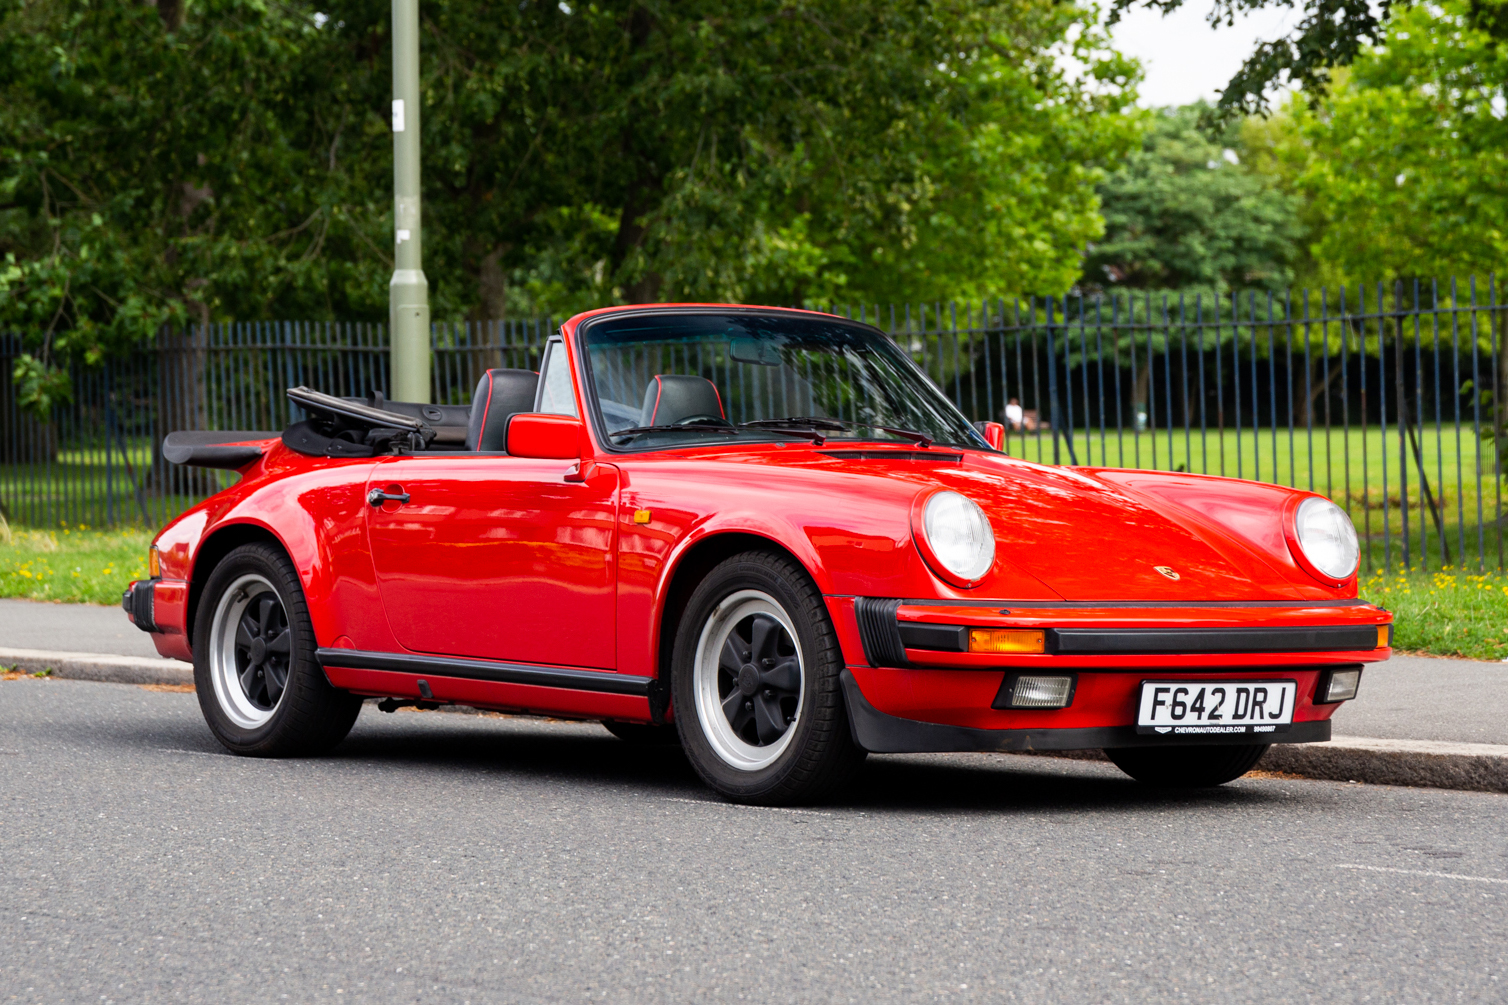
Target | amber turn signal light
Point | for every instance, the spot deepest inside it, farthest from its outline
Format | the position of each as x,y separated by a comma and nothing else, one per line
154,563
1384,636
1006,640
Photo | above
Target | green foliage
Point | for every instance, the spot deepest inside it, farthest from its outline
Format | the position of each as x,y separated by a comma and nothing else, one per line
232,159
1186,213
1403,164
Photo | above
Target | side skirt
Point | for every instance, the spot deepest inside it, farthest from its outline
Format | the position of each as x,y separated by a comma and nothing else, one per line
880,733
504,673
585,694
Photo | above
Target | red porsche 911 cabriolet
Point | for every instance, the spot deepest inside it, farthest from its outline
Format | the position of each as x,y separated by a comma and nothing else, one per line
763,534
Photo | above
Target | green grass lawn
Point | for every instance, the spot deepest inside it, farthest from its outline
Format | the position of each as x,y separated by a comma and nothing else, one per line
1446,613
72,564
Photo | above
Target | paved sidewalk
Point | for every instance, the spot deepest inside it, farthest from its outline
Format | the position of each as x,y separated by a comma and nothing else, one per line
80,628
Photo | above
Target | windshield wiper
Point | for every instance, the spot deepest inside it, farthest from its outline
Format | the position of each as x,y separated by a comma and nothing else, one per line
676,428
823,422
811,421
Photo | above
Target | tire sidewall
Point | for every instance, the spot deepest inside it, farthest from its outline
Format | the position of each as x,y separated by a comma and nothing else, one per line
261,561
729,578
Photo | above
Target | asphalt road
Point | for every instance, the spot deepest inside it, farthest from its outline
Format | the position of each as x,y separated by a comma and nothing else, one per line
1406,698
441,857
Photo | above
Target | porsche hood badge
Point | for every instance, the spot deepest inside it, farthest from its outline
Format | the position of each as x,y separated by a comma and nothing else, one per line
1167,571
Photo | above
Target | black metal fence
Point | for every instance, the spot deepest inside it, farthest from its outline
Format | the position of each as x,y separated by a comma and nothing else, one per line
1386,399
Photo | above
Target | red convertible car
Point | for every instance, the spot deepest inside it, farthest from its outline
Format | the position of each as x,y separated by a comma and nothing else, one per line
763,534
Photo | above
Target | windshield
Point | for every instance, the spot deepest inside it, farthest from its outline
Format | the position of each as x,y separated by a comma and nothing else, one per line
676,379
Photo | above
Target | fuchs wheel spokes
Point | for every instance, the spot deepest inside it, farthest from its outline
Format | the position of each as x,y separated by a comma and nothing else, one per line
250,651
262,648
759,679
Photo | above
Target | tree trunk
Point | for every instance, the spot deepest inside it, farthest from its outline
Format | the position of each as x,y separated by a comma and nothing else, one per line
1304,406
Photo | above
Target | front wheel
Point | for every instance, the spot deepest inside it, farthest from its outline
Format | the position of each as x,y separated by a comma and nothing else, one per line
260,688
1187,767
754,680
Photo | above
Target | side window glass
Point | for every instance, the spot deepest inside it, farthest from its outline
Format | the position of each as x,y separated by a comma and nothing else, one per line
556,396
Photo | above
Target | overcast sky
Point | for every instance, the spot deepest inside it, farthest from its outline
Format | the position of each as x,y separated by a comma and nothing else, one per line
1184,59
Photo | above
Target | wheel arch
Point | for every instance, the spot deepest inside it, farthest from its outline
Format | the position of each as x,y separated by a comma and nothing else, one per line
689,569
212,551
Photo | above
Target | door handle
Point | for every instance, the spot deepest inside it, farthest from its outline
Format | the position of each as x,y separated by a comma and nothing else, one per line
377,497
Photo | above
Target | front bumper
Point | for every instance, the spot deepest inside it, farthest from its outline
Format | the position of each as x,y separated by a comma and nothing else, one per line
880,733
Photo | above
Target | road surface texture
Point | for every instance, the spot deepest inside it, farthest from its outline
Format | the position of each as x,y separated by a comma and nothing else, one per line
454,858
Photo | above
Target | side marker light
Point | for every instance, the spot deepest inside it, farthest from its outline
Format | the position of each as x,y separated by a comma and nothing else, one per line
642,516
1384,636
1006,640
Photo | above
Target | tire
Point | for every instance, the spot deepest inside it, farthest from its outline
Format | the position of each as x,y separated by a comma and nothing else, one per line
1187,767
643,734
267,697
775,733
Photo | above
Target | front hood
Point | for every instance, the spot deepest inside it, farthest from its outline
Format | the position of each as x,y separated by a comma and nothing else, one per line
1088,539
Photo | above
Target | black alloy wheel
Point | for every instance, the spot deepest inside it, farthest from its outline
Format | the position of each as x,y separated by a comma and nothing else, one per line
755,684
260,688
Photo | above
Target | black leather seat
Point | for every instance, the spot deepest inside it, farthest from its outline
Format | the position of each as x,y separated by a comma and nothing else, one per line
672,398
499,395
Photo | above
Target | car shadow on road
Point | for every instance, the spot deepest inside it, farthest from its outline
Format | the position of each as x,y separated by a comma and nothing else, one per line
586,755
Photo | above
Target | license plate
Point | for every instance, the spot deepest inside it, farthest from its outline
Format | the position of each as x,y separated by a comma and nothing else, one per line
1212,708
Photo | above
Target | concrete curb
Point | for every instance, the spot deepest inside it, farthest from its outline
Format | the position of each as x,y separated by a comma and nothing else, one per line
1433,764
99,667
1473,767
1429,764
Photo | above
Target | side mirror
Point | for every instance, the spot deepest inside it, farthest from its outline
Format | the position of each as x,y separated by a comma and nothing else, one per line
552,437
993,433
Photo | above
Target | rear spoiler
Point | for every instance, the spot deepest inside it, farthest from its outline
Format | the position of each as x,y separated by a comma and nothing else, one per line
231,449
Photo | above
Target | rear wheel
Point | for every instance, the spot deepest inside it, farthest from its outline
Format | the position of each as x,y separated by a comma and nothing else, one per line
260,688
754,679
1187,767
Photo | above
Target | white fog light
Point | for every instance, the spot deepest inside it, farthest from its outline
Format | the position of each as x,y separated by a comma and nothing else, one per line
1340,685
1035,691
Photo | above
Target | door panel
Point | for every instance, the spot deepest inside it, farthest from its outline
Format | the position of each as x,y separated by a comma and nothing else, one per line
497,558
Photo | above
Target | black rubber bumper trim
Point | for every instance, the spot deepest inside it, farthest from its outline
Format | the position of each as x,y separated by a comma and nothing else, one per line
880,632
1042,605
140,601
880,733
504,673
1128,641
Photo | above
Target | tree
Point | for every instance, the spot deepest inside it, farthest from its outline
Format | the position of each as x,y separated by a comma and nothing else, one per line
1185,212
226,158
1403,162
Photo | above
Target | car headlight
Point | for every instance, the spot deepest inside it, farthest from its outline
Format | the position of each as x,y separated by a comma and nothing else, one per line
1327,537
958,535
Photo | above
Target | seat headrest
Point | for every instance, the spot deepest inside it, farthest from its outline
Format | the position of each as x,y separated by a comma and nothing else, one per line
671,398
499,395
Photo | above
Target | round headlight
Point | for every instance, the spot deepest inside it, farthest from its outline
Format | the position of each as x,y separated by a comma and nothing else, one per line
1327,537
959,535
